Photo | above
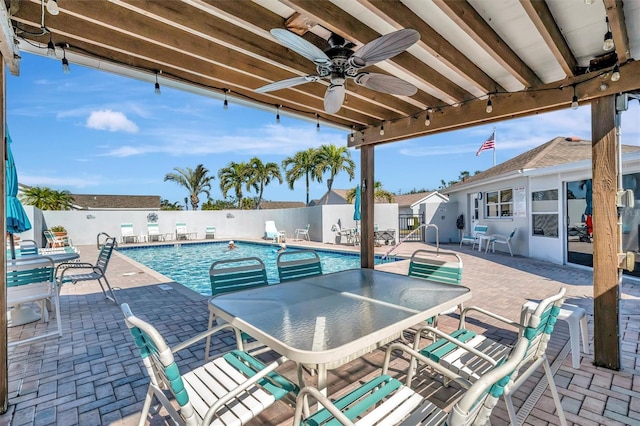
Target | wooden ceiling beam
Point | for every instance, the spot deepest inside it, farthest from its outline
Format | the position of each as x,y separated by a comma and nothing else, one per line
340,22
546,25
396,13
549,97
113,30
618,24
259,21
470,21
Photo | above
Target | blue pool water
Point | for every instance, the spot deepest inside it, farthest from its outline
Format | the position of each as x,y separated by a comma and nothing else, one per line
189,264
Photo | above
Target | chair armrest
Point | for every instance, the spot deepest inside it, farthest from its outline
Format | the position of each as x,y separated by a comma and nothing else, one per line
489,314
455,341
199,337
208,418
302,403
415,354
72,265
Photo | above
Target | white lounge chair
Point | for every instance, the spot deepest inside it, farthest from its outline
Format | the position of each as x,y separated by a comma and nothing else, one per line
126,233
182,233
272,233
302,232
210,232
153,232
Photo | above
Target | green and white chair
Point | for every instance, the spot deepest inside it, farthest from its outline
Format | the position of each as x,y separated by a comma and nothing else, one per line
298,264
386,401
474,237
210,232
127,235
153,232
467,356
182,233
229,390
501,239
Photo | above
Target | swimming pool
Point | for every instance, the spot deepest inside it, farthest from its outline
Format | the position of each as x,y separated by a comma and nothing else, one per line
188,264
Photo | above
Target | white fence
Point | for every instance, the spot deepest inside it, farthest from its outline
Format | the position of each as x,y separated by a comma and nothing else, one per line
84,225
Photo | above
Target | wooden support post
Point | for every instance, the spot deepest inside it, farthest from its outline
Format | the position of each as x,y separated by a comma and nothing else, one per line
367,253
4,364
605,242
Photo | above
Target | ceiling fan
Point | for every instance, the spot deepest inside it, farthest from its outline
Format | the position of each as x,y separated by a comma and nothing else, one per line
340,62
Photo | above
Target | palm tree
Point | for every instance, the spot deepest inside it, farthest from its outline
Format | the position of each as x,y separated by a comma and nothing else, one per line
379,194
303,164
234,176
46,198
335,159
261,175
168,205
195,181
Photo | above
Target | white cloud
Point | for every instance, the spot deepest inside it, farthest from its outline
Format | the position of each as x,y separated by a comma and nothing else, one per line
60,181
112,121
270,139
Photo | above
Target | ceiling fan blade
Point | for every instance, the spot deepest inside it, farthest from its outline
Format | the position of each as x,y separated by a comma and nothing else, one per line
384,47
283,84
333,98
300,46
386,84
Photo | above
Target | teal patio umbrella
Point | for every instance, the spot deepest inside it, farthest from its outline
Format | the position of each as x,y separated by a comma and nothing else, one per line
17,220
356,205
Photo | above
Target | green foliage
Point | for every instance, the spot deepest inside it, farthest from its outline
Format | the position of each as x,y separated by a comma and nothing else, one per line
46,198
234,177
211,204
261,175
195,181
167,205
58,228
379,194
303,164
334,159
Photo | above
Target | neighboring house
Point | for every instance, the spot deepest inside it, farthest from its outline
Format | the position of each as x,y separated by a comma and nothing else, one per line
281,205
335,196
545,193
410,203
109,202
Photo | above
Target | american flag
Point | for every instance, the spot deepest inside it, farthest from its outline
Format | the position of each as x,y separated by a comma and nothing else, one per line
490,143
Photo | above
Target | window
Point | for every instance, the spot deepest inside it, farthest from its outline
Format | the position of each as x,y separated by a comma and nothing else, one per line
500,203
544,209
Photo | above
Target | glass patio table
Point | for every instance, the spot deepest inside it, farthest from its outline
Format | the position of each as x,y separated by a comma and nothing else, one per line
326,321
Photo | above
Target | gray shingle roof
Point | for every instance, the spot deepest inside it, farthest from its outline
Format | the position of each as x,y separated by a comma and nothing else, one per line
95,201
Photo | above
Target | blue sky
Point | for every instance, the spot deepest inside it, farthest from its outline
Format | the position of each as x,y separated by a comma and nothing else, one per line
91,132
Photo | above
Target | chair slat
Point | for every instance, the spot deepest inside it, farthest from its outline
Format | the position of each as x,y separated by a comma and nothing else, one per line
298,264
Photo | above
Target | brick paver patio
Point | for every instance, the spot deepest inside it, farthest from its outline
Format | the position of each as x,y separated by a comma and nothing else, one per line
93,376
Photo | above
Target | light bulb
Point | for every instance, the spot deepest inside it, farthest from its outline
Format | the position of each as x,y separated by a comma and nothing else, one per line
52,7
427,120
225,104
352,137
615,74
157,89
382,130
608,42
489,108
65,65
318,123
574,102
51,49
278,114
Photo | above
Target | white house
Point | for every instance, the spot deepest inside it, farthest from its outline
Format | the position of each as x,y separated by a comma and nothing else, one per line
545,194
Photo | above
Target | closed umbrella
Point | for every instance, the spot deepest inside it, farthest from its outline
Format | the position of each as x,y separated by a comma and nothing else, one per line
17,220
356,205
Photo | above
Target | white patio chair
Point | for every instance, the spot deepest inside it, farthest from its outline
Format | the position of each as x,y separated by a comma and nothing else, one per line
272,233
126,233
210,232
182,233
386,401
474,238
304,232
53,240
466,356
153,232
229,390
501,239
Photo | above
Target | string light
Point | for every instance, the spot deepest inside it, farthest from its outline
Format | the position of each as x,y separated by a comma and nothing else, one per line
608,39
353,134
382,129
157,86
489,108
427,118
278,114
225,105
615,74
51,48
317,122
574,100
65,62
52,7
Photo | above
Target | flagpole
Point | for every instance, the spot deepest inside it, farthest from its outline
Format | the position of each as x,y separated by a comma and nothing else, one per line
494,146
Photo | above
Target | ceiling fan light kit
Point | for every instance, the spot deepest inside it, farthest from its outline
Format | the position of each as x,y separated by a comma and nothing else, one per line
340,62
